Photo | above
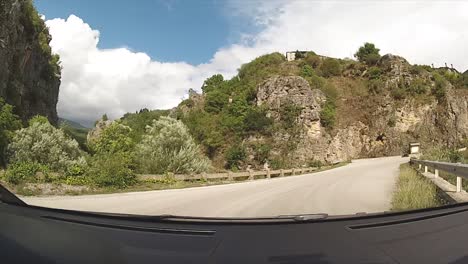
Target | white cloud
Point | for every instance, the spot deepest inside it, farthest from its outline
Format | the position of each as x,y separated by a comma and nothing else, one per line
116,81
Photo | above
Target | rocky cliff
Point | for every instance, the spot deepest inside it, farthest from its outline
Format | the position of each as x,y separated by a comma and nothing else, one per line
370,124
318,109
29,72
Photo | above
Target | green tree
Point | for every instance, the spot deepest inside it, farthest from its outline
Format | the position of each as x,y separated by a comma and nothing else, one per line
113,139
111,170
307,71
312,59
8,123
215,101
256,120
43,143
213,83
235,156
140,120
368,54
330,67
289,112
169,147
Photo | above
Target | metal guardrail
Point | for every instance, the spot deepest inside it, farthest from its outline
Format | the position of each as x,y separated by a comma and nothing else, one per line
457,169
251,175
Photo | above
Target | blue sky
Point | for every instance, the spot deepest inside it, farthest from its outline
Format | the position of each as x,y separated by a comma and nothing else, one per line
151,53
167,30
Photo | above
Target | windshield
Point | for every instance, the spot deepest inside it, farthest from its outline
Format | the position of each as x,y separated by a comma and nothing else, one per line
239,109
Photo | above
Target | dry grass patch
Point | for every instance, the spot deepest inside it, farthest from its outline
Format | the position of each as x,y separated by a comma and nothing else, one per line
413,191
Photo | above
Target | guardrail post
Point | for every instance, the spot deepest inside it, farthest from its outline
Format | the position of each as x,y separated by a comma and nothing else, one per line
420,166
230,175
268,173
459,184
293,172
281,173
436,173
425,169
203,175
251,177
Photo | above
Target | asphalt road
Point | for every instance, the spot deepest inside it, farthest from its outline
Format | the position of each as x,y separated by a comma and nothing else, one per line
365,185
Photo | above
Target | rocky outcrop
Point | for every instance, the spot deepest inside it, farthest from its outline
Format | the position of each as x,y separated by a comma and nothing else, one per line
278,92
96,132
29,74
386,127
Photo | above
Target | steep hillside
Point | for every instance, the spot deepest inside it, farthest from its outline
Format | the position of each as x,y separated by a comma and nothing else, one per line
29,72
317,109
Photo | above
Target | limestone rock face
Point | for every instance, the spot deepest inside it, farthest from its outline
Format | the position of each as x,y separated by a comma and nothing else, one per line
278,92
97,130
394,65
26,81
347,144
387,127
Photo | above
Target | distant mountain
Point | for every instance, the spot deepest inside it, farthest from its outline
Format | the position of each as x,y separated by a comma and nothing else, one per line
73,124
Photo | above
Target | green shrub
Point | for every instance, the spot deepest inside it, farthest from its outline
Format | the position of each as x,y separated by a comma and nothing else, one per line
315,163
81,180
168,147
417,86
444,154
8,123
307,71
419,69
328,114
38,120
76,170
330,67
213,83
368,54
312,59
113,139
43,143
315,81
235,156
280,163
140,120
215,101
374,73
206,130
439,89
111,170
262,152
289,112
257,121
24,172
451,76
261,67
78,134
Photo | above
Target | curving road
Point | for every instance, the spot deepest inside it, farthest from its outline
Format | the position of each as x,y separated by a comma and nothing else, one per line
365,185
